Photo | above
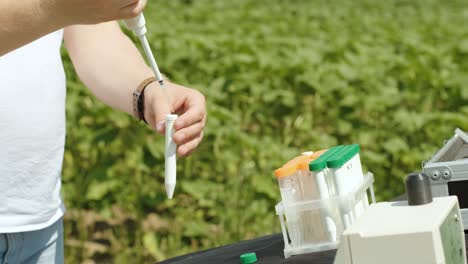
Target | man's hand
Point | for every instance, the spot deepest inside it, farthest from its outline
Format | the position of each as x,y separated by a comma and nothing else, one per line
96,11
189,104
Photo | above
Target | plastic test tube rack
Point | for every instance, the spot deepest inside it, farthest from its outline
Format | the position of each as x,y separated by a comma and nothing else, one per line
310,212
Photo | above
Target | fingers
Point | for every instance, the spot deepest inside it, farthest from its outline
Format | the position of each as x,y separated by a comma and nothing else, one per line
189,104
134,8
124,3
190,124
195,111
158,107
186,134
188,148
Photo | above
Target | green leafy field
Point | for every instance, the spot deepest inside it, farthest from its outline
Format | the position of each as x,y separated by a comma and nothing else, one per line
280,77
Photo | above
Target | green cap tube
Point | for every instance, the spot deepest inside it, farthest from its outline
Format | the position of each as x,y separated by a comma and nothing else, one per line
321,162
248,258
344,155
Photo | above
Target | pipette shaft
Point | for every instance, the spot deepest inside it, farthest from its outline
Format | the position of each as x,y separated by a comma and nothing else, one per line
155,68
151,59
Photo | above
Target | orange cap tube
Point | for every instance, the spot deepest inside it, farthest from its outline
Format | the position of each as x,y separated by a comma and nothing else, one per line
298,163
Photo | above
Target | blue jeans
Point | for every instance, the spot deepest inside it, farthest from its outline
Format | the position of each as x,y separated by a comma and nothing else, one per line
33,247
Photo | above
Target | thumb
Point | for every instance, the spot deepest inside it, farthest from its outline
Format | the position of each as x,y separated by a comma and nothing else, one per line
161,108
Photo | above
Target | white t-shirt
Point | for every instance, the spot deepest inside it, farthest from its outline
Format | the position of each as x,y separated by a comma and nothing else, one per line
32,135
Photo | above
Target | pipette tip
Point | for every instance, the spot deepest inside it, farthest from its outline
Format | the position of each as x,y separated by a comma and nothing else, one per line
170,189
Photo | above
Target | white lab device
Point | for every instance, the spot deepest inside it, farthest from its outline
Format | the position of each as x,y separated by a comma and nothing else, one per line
171,147
402,232
448,170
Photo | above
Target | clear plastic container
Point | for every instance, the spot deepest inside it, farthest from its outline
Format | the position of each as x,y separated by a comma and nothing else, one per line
289,182
291,193
314,226
308,184
296,185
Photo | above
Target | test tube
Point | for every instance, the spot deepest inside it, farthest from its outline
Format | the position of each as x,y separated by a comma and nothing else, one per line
313,227
358,171
170,155
308,185
326,187
290,190
345,167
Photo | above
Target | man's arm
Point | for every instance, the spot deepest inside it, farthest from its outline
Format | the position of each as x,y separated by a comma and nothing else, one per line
111,66
22,22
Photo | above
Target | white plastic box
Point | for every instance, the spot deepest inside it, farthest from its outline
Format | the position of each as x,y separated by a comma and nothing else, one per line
396,233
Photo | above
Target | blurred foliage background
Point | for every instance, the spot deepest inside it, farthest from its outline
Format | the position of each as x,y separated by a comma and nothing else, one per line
280,77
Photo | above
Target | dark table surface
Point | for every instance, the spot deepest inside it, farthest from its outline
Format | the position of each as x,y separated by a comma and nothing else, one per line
269,250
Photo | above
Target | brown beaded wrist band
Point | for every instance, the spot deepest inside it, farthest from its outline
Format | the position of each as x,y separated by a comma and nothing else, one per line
138,99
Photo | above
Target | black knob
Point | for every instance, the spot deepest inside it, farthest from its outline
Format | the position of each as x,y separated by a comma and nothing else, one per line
418,188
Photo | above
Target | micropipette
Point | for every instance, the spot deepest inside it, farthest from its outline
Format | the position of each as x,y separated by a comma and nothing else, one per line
138,26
